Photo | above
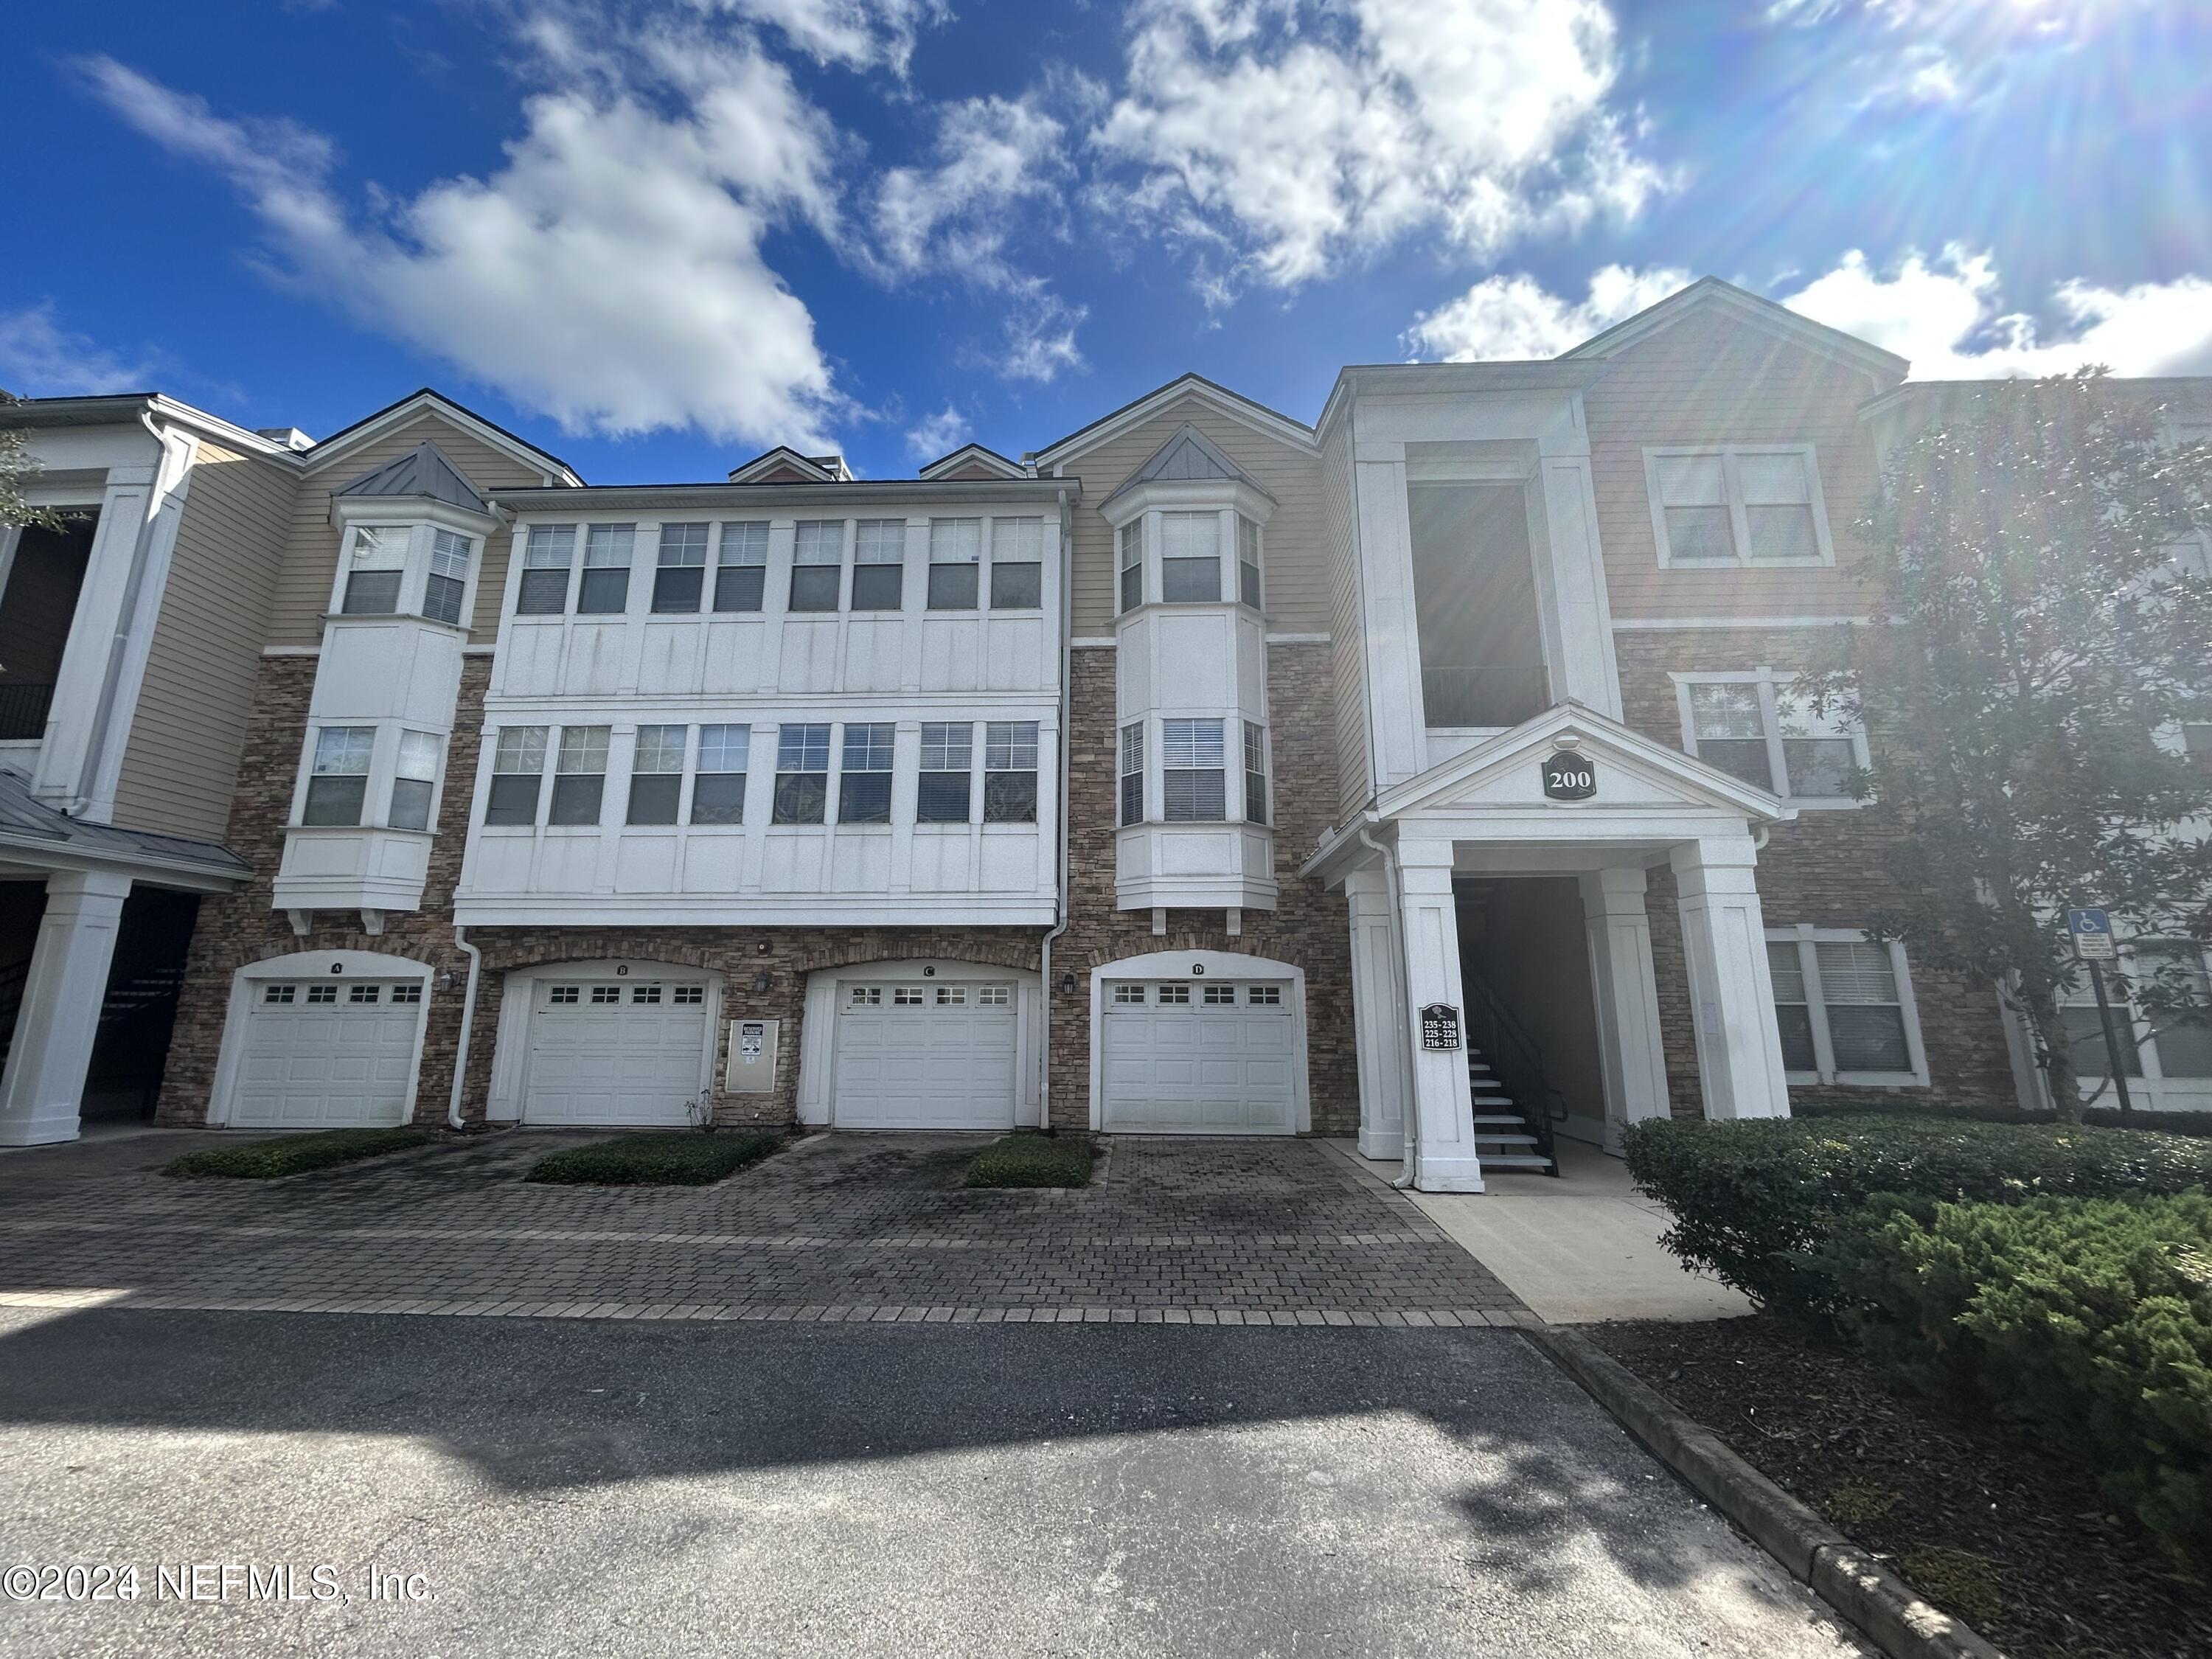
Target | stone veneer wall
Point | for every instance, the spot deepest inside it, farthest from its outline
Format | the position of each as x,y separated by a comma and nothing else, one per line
1309,927
1824,868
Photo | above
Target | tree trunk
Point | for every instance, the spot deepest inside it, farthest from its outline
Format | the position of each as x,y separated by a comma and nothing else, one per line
2056,1051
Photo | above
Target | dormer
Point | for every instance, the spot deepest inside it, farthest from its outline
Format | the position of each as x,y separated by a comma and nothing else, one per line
784,464
972,461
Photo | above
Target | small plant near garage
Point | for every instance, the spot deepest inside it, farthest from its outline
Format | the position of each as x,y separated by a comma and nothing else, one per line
266,1160
657,1159
1032,1160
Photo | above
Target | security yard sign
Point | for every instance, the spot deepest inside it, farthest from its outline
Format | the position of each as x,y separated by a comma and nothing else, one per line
2092,935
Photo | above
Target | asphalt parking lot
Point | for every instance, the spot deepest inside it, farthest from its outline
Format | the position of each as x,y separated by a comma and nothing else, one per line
528,1487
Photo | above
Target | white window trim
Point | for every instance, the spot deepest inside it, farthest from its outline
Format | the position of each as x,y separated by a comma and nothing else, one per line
1768,681
1805,936
1738,521
1225,497
419,522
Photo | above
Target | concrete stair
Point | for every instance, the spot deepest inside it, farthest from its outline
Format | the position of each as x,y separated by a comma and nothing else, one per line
1504,1138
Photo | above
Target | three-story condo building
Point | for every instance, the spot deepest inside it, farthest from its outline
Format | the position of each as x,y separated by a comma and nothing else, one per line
1203,771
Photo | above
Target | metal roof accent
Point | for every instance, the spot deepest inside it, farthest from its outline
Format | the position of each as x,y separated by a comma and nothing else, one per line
30,825
422,471
1187,457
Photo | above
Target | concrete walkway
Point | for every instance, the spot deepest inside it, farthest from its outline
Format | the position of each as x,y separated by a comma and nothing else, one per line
1577,1248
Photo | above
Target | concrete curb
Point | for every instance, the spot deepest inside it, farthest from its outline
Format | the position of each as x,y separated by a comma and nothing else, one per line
1875,1600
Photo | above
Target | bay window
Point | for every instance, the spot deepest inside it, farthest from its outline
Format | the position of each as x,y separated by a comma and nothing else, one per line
338,780
374,575
1133,772
449,576
1190,557
1255,772
1130,538
415,780
1247,562
1194,783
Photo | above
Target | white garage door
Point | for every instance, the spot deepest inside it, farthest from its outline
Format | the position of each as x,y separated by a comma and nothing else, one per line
615,1052
1197,1057
925,1056
326,1053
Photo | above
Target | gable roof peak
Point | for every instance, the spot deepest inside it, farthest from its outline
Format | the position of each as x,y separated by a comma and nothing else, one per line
1187,457
1711,292
971,458
803,468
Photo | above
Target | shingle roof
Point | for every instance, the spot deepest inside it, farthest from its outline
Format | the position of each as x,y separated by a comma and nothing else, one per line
423,470
24,819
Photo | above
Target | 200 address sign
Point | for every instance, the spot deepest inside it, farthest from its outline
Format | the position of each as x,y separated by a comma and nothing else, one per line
1569,776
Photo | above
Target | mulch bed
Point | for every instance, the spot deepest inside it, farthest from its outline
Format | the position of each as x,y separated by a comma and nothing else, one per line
2018,1542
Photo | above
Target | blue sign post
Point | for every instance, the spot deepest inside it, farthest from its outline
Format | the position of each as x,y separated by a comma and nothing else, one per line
2092,931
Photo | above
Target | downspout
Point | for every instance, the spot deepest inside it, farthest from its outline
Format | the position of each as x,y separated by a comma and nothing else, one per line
1060,904
468,1019
1412,1171
133,585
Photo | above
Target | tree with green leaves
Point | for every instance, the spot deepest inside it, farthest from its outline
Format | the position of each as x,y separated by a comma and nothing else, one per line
18,466
2040,640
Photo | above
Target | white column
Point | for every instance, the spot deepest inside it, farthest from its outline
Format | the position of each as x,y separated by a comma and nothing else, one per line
1378,1024
1571,582
1444,1159
1388,619
43,1084
1731,992
1631,1062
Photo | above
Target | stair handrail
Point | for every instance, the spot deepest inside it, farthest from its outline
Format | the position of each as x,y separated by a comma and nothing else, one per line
1522,1073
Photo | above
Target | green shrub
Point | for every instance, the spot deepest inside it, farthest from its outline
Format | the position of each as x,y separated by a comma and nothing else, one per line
1032,1161
675,1159
2087,1321
2195,1125
1752,1198
266,1160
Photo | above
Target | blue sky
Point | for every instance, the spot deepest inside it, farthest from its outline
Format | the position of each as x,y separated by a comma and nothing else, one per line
656,238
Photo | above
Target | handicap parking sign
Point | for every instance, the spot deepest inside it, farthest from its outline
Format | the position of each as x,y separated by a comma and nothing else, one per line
2093,934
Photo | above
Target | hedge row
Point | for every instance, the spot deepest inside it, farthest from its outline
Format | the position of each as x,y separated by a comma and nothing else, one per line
1753,1201
2195,1124
2088,1322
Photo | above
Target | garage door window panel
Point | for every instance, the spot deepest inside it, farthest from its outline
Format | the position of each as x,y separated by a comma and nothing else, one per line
579,776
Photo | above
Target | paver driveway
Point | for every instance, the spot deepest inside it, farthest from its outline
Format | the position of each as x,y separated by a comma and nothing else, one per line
842,1227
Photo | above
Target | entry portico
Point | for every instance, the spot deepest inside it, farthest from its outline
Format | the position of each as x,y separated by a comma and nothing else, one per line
1485,812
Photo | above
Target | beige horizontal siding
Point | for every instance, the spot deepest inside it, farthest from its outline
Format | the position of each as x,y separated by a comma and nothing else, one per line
1296,569
181,762
303,591
1709,379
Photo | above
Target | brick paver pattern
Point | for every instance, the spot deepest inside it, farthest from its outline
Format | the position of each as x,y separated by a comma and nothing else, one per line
839,1227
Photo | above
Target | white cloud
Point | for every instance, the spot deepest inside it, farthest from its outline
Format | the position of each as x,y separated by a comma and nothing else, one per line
1946,315
1298,133
609,275
1504,317
38,358
1040,335
953,215
938,434
857,33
